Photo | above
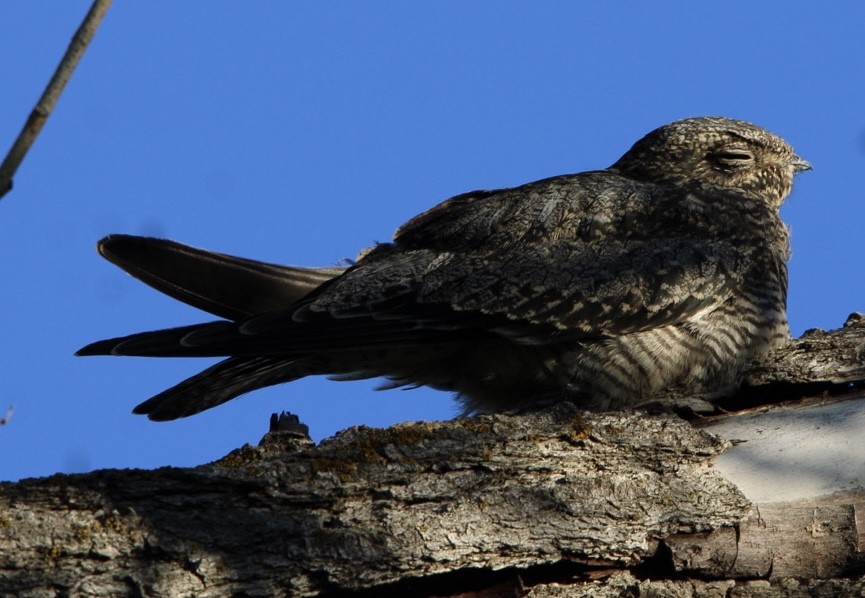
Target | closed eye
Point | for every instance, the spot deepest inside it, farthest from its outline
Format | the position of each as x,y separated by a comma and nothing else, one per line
732,158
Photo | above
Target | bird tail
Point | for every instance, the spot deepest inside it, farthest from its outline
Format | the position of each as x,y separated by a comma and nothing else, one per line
224,285
230,287
219,383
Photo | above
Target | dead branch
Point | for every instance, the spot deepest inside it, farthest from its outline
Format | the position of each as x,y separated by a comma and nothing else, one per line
51,95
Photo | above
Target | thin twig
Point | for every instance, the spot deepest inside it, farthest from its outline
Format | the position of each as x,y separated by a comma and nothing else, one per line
52,92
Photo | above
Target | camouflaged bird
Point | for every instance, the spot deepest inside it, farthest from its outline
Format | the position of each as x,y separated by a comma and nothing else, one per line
607,288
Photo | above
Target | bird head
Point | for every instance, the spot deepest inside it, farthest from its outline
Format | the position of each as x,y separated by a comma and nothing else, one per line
715,152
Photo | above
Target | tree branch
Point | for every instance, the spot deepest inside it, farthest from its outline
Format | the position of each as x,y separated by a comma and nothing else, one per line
548,503
372,507
52,92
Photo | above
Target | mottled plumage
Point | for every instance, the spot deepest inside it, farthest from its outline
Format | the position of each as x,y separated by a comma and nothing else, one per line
668,269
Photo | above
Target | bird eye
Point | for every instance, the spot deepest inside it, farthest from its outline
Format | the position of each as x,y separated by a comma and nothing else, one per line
732,158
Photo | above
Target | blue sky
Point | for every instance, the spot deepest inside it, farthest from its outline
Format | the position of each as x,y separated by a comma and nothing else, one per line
301,132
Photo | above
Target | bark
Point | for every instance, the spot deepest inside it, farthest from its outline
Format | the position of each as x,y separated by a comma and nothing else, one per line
556,502
624,584
817,362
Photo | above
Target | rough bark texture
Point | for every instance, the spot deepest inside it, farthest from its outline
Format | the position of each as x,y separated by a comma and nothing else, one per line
372,507
552,503
817,362
624,584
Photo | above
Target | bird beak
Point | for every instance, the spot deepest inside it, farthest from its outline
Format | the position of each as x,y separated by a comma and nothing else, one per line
800,164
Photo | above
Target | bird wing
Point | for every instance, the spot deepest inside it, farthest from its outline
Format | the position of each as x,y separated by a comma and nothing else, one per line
440,212
577,256
484,218
568,258
224,285
624,288
536,298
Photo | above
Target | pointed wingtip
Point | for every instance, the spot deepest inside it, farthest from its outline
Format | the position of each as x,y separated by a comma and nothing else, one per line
104,347
166,407
160,408
144,409
113,246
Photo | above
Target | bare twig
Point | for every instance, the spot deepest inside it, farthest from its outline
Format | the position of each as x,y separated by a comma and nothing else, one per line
52,92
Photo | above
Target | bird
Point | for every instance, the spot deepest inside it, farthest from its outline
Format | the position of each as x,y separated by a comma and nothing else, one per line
665,271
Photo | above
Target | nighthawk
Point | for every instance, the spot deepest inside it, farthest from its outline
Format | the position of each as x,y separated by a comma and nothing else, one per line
607,288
